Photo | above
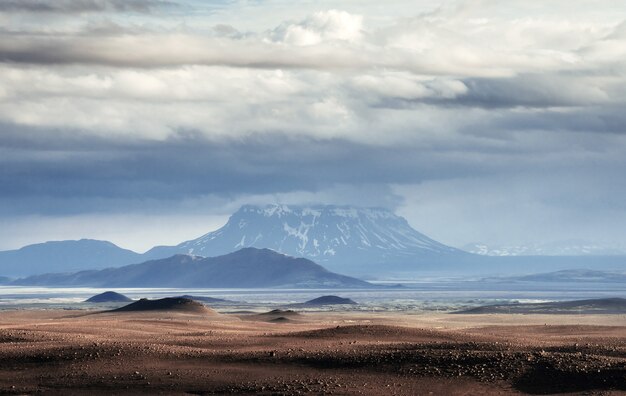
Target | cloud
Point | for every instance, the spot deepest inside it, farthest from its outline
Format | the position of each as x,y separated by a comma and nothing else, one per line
329,40
371,107
321,26
540,91
65,174
476,104
385,86
80,6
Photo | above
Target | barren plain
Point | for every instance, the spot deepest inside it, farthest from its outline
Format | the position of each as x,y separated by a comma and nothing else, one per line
205,352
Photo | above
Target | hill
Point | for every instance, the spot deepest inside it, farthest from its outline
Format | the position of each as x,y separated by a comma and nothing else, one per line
246,268
170,304
108,296
329,300
64,256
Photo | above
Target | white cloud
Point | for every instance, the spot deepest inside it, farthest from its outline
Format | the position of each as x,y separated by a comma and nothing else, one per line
402,85
319,27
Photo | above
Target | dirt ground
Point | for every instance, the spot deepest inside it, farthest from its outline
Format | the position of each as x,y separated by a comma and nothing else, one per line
69,352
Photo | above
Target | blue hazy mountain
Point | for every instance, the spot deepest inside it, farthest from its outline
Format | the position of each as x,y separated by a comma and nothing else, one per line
64,256
245,268
343,239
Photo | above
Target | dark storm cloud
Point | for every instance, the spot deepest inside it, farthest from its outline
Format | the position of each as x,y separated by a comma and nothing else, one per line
80,6
42,169
52,173
160,50
539,91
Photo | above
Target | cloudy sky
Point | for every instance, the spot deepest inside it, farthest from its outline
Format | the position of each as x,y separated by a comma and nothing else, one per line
147,122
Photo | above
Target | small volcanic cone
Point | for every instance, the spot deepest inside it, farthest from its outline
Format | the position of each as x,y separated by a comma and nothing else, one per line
169,304
329,300
108,296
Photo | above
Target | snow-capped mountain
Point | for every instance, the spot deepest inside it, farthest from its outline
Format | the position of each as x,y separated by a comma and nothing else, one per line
343,239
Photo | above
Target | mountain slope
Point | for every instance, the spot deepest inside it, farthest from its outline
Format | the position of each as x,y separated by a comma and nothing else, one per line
343,239
246,268
64,256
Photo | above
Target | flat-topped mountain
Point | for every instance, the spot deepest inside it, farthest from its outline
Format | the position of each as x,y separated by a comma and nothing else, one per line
343,239
65,256
246,268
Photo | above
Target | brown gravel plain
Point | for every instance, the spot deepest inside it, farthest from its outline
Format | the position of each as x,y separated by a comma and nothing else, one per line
198,353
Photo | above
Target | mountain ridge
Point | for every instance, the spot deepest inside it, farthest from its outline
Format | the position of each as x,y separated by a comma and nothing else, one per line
64,256
245,268
368,243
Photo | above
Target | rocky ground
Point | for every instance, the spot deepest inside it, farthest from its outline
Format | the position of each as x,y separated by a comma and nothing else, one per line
60,352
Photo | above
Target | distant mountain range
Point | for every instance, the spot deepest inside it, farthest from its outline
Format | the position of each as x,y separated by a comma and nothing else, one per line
562,248
245,268
572,276
367,243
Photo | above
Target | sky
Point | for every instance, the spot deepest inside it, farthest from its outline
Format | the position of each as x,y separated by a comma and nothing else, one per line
148,122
